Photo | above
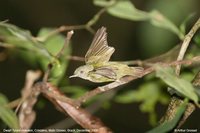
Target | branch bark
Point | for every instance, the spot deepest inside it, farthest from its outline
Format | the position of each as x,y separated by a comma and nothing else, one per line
81,116
186,43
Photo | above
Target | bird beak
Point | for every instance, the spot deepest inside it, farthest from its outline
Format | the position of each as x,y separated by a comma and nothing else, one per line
73,76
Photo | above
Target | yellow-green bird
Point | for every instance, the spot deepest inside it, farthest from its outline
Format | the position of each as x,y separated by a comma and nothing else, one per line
97,66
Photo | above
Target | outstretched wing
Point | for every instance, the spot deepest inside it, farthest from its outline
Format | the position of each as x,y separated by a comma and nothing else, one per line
99,50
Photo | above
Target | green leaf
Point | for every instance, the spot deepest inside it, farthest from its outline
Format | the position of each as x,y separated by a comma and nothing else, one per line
7,115
169,125
157,19
24,44
197,39
198,92
189,76
183,24
54,43
123,9
21,38
145,91
149,94
127,97
181,85
45,46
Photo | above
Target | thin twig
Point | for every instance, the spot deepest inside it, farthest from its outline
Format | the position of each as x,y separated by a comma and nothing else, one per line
94,19
186,43
50,65
133,62
46,74
59,30
87,26
76,58
14,103
29,98
67,40
6,45
31,77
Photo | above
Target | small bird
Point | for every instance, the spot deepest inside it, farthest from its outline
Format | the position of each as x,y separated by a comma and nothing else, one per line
97,66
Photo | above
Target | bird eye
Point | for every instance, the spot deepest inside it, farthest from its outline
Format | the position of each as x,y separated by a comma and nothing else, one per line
81,72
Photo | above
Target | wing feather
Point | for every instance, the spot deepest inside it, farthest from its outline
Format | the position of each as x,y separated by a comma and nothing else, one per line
99,51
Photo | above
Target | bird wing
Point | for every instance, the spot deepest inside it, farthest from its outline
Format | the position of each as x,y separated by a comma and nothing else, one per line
99,51
106,72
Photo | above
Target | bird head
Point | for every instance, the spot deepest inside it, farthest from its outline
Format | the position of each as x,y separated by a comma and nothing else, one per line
82,71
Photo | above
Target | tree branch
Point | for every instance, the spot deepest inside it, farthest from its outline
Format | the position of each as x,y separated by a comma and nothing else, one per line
92,108
29,97
186,43
81,116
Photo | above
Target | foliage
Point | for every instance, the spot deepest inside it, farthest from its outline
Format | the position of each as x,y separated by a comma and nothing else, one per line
44,46
149,94
126,10
181,85
7,115
168,126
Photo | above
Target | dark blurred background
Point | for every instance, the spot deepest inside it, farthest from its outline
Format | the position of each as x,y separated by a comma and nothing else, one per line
132,40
